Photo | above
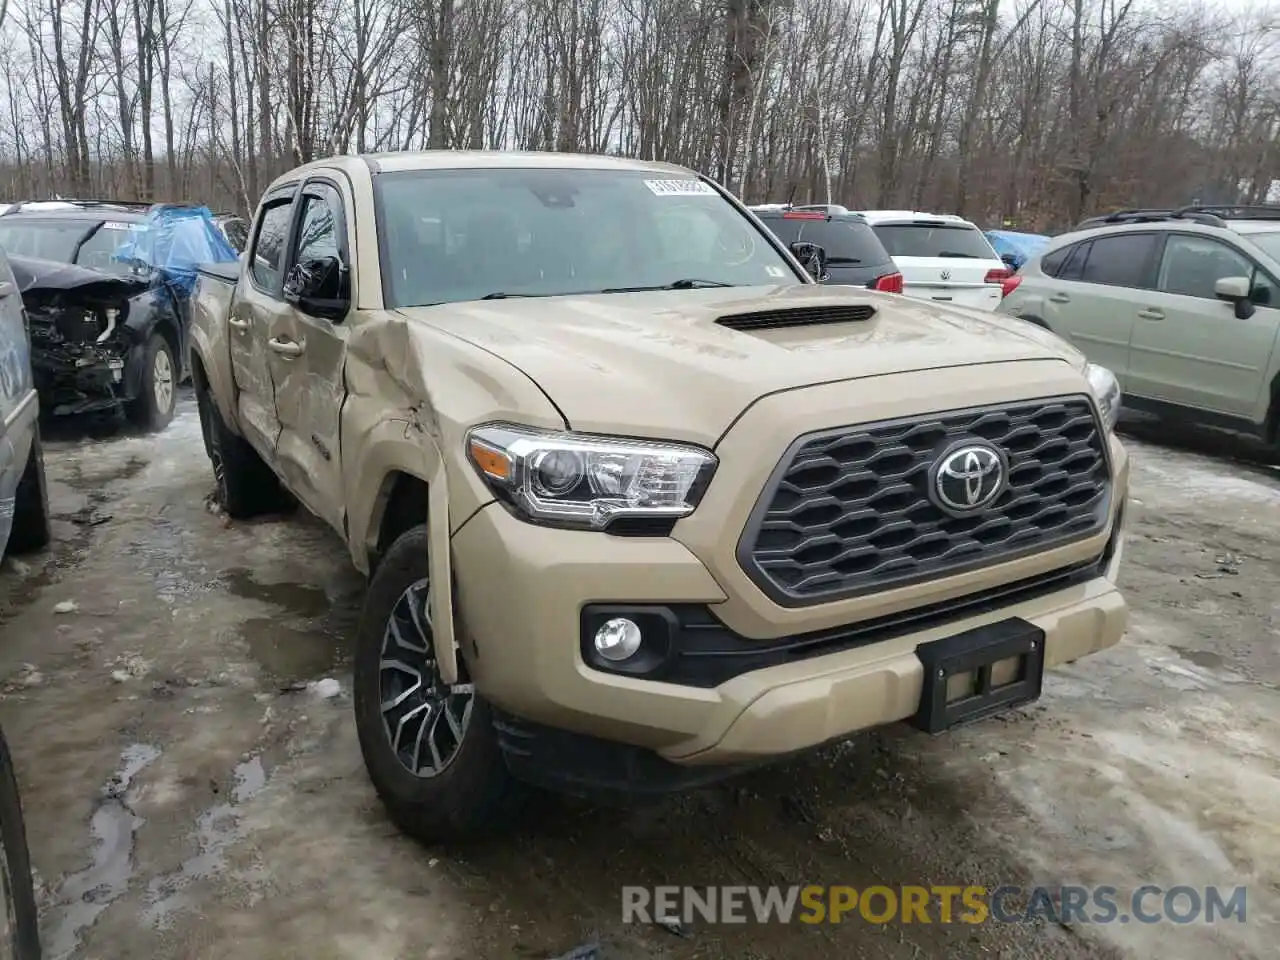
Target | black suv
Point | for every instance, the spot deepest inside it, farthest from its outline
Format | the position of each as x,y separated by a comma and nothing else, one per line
106,285
854,254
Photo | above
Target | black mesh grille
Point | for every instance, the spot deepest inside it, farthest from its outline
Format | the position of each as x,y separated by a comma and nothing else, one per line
798,317
848,511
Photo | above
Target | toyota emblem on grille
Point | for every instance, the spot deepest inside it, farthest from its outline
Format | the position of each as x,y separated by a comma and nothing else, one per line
968,477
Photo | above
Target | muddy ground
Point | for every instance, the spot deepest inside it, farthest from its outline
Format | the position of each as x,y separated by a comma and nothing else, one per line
189,796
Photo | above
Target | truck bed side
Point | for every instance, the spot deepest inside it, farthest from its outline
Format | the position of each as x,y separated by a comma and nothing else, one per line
210,349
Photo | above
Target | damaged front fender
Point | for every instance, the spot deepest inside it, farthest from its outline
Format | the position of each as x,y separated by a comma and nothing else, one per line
412,392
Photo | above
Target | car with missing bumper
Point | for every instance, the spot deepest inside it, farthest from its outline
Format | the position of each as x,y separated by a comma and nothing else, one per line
640,503
106,286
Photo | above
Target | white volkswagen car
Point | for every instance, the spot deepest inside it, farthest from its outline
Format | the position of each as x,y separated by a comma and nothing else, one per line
941,257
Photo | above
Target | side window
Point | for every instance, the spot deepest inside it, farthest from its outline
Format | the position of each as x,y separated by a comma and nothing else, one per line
1052,262
237,234
1263,292
318,226
1122,260
268,245
1073,268
1192,265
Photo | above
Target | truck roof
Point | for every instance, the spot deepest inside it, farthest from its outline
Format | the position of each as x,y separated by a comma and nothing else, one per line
463,159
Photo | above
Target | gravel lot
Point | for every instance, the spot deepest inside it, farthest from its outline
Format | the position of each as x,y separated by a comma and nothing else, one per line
189,795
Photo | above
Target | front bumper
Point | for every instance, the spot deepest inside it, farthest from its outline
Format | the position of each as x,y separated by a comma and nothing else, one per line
521,590
783,679
79,378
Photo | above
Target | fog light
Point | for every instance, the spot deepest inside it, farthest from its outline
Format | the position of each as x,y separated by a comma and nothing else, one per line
617,639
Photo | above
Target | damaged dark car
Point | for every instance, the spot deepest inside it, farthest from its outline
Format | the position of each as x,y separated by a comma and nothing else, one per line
106,290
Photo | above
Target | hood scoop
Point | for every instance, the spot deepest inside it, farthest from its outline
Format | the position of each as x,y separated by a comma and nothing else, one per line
798,317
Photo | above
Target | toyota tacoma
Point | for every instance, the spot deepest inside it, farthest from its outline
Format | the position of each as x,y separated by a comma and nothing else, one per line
640,503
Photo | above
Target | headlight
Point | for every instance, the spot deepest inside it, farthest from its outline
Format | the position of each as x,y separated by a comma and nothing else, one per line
1106,388
586,481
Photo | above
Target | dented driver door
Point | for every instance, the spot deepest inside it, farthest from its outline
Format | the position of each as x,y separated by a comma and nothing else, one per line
307,353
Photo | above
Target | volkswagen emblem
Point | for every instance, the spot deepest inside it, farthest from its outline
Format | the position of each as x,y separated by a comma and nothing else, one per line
945,274
968,477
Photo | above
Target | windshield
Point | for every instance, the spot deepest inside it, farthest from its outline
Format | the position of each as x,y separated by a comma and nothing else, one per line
934,240
844,241
1268,242
454,235
58,240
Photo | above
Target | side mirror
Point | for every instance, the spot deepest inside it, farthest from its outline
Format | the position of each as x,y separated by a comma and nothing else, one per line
319,288
1009,260
1235,290
812,257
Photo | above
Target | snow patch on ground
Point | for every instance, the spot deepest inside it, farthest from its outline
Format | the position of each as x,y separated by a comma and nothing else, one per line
1200,479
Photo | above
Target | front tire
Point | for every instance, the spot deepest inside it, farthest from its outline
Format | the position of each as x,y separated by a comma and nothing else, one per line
30,531
19,919
431,751
152,409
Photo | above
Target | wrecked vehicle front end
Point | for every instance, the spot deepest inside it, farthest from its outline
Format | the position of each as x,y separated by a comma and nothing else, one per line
80,338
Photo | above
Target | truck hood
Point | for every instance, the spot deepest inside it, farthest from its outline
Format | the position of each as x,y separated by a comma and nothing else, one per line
657,364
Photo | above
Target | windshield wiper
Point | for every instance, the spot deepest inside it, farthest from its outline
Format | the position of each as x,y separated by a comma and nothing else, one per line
952,253
843,260
686,283
503,295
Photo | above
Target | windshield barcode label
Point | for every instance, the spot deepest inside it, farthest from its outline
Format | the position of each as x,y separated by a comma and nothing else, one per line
678,188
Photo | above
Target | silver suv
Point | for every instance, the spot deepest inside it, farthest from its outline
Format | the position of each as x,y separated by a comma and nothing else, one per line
1183,305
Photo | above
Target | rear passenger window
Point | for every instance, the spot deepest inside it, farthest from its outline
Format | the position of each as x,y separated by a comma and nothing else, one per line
1052,262
1123,260
268,247
788,231
1073,269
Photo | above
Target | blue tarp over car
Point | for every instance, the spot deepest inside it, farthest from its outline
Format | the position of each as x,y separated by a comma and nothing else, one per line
173,242
1020,246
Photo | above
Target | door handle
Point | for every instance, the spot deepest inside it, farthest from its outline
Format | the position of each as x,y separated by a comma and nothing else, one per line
238,324
6,288
1059,298
286,348
1151,313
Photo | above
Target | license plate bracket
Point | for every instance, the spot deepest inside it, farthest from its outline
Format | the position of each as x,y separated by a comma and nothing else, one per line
976,652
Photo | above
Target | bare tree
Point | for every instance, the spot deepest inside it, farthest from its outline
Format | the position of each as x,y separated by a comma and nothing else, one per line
1033,111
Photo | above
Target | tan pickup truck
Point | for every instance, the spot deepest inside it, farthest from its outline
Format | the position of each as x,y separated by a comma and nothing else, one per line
641,503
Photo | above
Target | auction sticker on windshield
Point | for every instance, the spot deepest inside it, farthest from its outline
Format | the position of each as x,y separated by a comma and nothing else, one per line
678,188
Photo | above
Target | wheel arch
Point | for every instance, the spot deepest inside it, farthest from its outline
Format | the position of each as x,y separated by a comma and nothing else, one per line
405,500
1271,425
214,380
168,328
401,504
